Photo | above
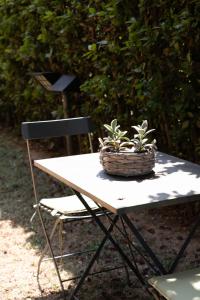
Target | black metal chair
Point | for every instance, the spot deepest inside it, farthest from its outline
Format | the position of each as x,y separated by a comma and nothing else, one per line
63,209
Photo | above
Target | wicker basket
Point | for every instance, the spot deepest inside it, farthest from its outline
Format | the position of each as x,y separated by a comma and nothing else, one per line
127,163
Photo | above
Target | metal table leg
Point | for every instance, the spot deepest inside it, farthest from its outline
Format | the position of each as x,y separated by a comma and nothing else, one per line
145,246
157,263
112,240
185,244
150,252
92,261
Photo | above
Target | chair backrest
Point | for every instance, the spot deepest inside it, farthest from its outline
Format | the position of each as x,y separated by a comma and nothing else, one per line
54,128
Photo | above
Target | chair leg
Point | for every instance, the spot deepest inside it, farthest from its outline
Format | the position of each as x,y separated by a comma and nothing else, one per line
61,241
51,250
46,248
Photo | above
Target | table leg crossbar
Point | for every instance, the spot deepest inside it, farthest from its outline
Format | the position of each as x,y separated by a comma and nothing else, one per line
156,264
107,236
159,266
133,247
185,244
92,261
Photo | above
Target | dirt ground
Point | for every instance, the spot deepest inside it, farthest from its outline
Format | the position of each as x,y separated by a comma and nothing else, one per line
21,241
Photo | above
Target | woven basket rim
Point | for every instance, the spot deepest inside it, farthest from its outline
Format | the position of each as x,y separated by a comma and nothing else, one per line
127,152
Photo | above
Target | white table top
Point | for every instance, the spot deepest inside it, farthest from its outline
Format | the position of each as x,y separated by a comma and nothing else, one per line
175,181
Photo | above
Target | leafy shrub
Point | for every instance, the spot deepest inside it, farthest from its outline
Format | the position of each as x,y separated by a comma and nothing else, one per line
136,60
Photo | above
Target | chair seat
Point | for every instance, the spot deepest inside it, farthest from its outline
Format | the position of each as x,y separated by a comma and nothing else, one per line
68,205
178,286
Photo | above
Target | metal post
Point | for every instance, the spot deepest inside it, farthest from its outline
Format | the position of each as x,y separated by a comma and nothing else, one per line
65,113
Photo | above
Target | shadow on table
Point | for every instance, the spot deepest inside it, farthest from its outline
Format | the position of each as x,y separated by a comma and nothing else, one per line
168,165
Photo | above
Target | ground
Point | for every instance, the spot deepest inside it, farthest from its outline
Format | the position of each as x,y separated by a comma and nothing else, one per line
21,240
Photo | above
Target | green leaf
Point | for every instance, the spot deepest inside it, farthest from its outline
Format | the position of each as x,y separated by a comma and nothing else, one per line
144,125
144,141
185,124
108,127
126,144
114,124
122,133
137,128
149,131
92,47
92,10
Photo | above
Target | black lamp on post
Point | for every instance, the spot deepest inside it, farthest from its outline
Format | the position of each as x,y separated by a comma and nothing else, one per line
62,84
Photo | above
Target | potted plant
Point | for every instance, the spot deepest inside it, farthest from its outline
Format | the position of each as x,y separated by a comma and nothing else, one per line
121,155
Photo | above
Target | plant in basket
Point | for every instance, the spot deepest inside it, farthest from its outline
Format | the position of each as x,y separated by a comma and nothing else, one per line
121,155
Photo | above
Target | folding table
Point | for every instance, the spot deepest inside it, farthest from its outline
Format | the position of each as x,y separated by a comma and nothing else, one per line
173,181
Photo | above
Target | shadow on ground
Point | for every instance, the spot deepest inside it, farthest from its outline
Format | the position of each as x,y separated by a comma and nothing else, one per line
22,241
16,210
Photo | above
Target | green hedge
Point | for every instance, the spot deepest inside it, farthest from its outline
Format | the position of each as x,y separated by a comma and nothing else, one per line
136,60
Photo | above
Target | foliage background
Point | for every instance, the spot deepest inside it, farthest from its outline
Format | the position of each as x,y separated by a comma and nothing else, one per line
135,59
